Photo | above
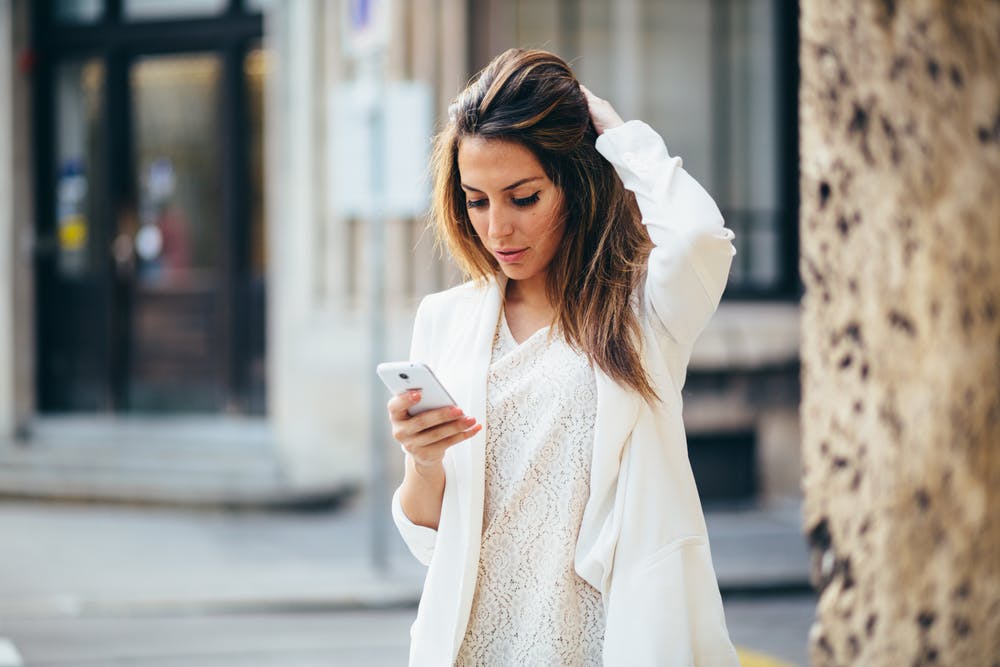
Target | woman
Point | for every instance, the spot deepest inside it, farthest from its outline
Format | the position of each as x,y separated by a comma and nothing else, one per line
569,530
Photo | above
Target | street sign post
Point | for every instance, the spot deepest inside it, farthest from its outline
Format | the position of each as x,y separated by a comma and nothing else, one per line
366,24
366,27
369,117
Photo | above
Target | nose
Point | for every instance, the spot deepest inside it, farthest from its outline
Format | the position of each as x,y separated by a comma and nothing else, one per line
500,224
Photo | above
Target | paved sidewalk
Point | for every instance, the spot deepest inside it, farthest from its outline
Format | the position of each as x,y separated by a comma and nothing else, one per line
68,570
204,461
83,560
204,522
86,559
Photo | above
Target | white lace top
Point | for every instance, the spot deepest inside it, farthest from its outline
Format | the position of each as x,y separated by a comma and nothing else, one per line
530,607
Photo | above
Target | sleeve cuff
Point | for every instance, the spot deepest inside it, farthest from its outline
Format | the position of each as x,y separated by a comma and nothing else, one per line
640,158
633,144
419,539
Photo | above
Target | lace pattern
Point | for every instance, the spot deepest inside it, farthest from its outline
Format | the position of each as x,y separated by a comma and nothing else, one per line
530,607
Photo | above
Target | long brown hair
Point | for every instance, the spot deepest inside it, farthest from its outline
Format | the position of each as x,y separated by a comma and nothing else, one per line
531,97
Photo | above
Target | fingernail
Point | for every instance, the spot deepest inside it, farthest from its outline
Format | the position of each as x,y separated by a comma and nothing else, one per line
456,410
414,395
470,420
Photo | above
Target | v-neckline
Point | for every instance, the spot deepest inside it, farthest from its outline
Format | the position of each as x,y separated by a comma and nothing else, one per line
505,330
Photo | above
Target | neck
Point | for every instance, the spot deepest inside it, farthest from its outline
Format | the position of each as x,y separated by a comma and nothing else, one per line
530,293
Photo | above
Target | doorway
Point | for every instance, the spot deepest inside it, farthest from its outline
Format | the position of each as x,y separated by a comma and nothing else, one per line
149,151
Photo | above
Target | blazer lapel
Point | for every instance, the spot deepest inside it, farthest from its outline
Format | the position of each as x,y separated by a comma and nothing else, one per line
470,456
617,412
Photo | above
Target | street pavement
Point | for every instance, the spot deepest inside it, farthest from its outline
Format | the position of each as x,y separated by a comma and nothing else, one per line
366,638
98,584
149,542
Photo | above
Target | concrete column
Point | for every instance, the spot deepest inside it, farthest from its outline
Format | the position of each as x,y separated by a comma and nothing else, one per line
900,150
454,49
454,55
7,236
318,367
626,30
16,280
312,413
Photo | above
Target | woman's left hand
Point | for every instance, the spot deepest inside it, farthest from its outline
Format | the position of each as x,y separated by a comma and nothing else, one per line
602,114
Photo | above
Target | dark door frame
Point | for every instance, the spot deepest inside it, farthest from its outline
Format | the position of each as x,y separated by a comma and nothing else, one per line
117,43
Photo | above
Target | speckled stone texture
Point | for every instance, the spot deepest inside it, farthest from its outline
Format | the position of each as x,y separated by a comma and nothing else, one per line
900,154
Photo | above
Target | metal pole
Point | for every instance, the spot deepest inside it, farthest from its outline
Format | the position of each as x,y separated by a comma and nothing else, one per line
380,513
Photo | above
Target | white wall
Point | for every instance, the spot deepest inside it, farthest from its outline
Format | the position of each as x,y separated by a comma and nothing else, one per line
319,356
307,353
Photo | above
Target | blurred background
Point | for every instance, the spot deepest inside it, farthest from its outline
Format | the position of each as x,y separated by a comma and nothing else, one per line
188,466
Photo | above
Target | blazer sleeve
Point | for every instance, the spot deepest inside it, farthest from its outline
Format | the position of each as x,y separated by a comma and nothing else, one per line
419,539
693,250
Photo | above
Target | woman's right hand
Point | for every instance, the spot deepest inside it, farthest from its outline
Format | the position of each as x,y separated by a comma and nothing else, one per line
428,435
602,114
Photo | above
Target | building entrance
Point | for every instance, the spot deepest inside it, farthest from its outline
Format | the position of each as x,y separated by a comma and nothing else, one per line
152,261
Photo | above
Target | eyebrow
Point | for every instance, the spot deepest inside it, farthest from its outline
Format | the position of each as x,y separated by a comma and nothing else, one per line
509,187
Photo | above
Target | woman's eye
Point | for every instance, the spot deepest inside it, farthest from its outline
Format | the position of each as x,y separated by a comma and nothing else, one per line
526,201
475,203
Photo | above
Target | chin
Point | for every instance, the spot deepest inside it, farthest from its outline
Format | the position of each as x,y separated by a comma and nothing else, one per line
515,272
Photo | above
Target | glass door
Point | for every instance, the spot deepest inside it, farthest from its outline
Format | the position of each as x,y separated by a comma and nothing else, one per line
72,283
175,288
151,261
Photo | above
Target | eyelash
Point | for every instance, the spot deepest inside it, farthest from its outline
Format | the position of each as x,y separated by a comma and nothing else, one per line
527,201
523,202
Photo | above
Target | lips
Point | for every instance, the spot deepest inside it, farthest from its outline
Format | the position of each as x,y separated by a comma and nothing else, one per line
510,255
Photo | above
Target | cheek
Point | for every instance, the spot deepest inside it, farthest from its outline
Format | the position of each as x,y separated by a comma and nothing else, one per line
552,224
478,225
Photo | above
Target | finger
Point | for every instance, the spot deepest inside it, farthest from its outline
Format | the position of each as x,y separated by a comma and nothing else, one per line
459,437
399,405
441,432
431,418
436,450
406,428
591,97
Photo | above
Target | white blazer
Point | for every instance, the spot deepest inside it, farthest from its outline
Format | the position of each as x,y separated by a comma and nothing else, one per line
642,541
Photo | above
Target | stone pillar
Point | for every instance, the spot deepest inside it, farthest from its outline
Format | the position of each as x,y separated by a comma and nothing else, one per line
17,388
900,156
7,236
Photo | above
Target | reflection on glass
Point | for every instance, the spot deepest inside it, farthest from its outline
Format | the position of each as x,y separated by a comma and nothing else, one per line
175,356
259,5
79,164
78,11
175,102
255,71
169,9
747,167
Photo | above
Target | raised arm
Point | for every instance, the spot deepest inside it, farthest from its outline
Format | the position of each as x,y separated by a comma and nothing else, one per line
689,264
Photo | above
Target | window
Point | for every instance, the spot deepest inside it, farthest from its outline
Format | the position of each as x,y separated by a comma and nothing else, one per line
78,11
168,9
716,79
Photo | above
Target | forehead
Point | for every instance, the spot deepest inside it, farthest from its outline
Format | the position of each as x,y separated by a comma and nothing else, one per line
495,162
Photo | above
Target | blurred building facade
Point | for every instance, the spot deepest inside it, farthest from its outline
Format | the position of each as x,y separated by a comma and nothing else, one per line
169,243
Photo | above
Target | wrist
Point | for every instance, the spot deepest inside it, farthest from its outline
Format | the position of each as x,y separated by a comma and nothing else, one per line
610,125
425,469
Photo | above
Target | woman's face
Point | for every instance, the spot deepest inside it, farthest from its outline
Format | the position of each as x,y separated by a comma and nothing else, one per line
514,207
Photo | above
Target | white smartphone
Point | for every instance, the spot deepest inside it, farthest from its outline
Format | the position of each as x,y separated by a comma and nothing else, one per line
402,376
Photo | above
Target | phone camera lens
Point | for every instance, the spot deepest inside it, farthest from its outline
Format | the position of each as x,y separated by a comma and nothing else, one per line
404,376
